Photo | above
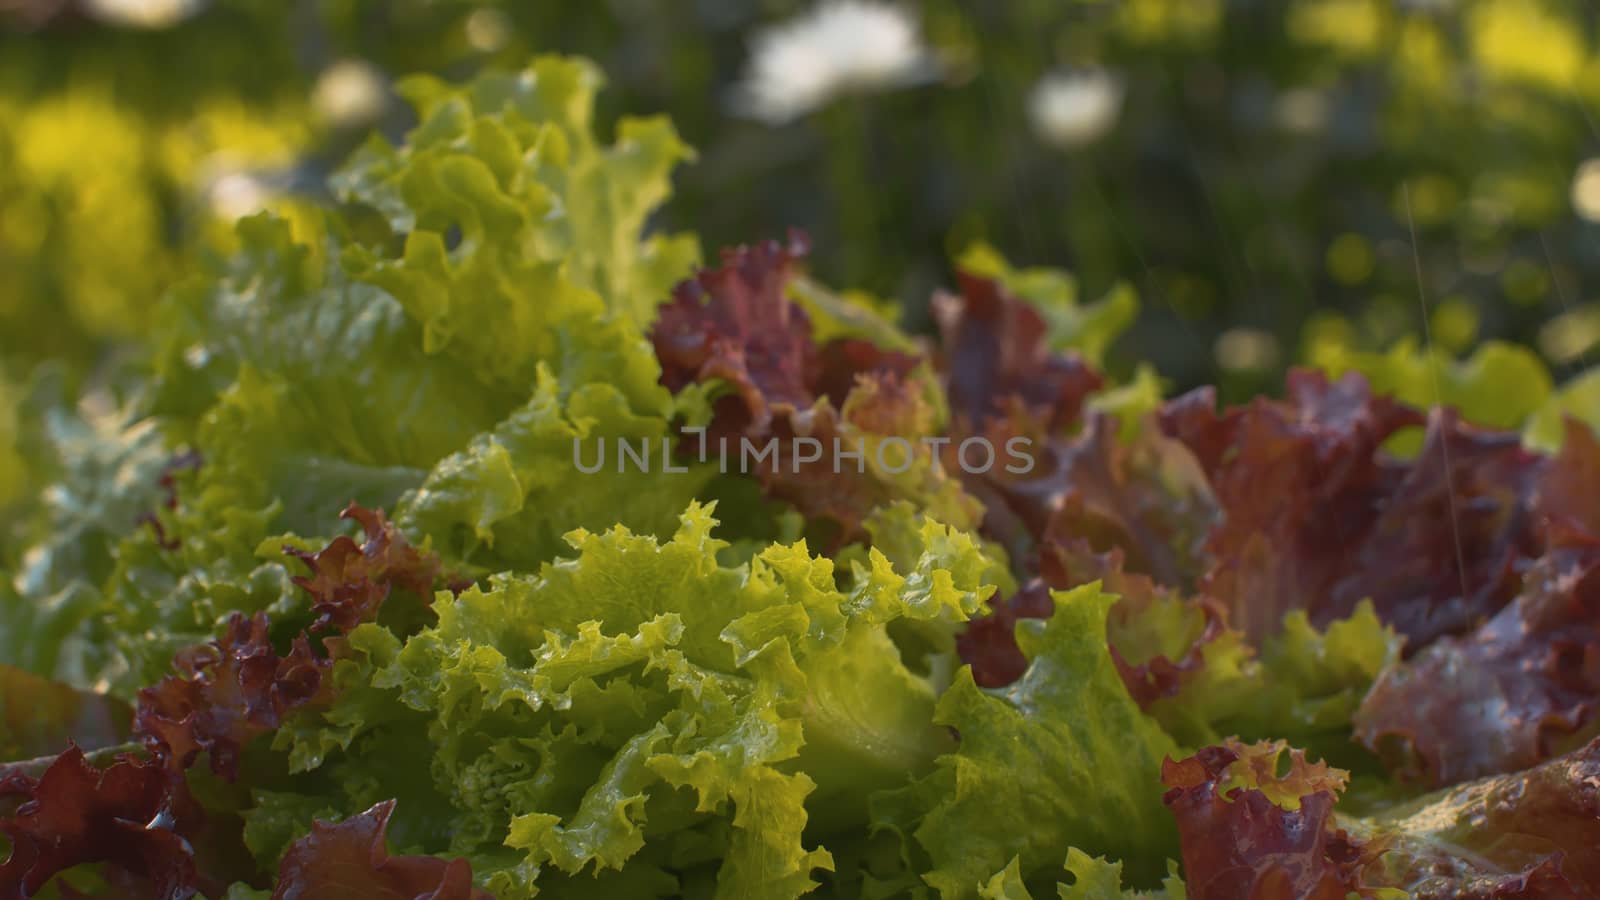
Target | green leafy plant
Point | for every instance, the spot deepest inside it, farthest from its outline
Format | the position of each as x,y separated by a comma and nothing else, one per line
869,668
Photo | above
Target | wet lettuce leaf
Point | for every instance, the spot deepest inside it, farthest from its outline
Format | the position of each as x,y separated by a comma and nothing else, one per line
1255,829
640,690
1318,516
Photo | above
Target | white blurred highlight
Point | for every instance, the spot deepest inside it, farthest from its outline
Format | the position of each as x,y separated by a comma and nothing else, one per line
350,93
1072,109
143,13
839,47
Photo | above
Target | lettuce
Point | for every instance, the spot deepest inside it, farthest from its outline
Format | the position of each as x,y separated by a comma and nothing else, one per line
1089,329
1249,829
1430,377
323,596
511,168
641,689
1062,757
107,464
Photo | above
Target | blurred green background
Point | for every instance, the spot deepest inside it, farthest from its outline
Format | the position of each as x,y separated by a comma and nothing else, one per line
1255,169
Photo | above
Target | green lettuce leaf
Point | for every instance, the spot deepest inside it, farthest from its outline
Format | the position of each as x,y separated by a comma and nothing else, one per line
850,314
252,379
542,208
1500,385
108,461
1093,878
321,365
644,712
284,429
522,262
1302,685
1063,757
506,499
1578,398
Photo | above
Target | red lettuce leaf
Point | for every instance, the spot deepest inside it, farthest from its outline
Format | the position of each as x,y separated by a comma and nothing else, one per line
135,816
843,363
1443,553
1528,835
349,582
229,692
735,324
1502,697
989,643
1005,384
831,489
1318,517
1297,481
995,351
1131,515
350,859
1250,834
1146,497
1569,490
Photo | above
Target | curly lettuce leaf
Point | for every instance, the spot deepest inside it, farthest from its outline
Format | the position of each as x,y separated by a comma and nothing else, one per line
1195,675
323,364
1092,878
287,424
1162,642
1316,516
734,331
996,357
1506,696
1145,497
288,432
1063,757
1307,684
350,582
851,314
1132,404
1096,878
512,163
1165,645
1253,827
640,711
226,693
523,263
506,499
1249,831
134,820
